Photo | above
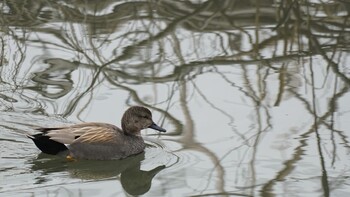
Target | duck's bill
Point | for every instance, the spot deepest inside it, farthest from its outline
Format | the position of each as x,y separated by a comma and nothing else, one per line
156,127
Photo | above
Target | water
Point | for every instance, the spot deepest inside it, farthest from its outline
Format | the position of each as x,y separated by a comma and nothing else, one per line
254,95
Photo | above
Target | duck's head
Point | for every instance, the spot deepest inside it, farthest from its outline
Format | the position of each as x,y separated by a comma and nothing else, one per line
137,118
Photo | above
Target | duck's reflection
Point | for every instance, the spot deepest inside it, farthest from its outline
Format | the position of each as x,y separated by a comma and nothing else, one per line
134,180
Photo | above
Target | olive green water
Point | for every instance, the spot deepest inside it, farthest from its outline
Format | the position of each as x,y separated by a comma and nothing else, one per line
254,95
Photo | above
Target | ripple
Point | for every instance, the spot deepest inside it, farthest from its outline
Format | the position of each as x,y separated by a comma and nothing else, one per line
157,153
24,123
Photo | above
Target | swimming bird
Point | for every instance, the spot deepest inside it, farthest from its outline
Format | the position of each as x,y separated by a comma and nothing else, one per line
98,141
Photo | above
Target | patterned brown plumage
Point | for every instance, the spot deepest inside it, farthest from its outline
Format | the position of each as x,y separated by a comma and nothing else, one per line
98,140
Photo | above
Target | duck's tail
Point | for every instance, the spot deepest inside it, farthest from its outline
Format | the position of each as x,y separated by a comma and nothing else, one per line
46,145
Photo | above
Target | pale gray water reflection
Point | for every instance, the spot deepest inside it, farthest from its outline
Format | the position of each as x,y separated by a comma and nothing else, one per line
254,95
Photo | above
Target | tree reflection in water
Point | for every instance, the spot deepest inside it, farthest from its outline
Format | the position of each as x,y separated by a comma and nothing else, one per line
266,77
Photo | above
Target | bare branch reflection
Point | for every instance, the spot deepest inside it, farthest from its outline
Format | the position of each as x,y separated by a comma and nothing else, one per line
227,77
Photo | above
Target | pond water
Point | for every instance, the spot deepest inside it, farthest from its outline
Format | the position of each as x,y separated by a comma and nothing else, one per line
254,95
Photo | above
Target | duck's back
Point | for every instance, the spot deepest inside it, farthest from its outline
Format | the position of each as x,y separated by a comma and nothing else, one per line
105,141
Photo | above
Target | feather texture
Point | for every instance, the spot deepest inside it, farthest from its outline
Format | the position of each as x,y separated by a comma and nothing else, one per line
99,140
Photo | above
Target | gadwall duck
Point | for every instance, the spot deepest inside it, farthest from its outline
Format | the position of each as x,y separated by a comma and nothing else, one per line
98,141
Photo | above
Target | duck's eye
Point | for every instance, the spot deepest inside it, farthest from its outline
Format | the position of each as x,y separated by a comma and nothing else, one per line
142,116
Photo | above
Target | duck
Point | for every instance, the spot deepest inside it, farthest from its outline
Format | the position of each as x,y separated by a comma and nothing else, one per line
98,141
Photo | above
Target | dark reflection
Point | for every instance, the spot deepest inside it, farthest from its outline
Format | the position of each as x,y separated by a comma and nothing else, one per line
55,81
134,180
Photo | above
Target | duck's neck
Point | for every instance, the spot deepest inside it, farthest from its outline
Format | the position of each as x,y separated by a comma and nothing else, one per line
130,134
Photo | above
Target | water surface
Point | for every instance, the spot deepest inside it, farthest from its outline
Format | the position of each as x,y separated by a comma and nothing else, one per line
254,95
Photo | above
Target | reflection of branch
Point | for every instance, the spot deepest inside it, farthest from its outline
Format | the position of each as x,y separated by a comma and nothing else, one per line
74,103
332,64
332,109
185,69
137,99
188,139
61,81
169,29
2,54
290,164
193,145
231,118
282,84
226,193
324,181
